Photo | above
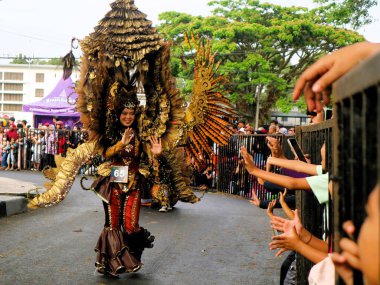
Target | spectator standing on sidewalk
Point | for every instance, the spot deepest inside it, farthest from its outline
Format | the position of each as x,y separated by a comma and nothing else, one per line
51,146
2,136
38,149
12,157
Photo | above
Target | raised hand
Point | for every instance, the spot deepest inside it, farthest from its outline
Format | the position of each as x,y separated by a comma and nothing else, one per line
248,160
285,225
349,258
282,196
156,146
127,136
274,147
255,200
315,82
286,241
270,208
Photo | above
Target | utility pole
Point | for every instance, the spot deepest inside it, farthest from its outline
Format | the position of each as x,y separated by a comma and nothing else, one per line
258,93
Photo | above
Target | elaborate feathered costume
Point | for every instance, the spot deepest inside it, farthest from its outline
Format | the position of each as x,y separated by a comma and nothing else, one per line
123,55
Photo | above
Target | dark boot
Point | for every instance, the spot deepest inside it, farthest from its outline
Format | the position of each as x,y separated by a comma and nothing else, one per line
138,241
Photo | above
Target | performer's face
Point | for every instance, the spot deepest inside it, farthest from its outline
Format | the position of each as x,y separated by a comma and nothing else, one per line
127,117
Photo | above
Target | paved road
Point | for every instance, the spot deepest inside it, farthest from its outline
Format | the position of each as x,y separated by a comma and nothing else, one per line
221,240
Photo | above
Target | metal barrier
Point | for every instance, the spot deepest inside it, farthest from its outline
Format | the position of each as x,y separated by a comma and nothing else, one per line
35,148
232,178
311,139
356,145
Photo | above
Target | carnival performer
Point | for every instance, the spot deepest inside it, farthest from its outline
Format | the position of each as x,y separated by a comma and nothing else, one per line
122,240
125,54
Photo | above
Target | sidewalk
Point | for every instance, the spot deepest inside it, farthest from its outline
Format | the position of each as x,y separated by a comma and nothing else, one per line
13,196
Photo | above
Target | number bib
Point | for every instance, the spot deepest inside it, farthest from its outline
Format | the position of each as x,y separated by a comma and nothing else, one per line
119,174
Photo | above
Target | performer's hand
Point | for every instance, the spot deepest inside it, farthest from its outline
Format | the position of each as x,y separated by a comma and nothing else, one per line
156,147
127,136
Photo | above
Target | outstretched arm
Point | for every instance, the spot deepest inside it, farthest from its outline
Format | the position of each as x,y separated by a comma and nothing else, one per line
289,213
281,180
295,165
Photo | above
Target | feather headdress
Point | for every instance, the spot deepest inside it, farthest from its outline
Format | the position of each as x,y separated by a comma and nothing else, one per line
116,59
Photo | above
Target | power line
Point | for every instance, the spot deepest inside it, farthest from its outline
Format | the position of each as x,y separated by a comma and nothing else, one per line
31,37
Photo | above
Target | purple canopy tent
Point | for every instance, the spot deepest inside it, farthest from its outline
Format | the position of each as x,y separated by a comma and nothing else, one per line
56,105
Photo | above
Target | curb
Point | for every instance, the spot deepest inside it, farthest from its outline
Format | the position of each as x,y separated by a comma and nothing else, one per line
11,205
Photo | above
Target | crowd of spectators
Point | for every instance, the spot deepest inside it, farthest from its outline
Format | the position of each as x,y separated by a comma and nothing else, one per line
24,147
289,233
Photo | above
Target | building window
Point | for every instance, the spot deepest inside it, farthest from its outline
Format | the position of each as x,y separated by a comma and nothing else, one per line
13,97
285,119
1,75
39,92
13,87
12,107
14,76
40,77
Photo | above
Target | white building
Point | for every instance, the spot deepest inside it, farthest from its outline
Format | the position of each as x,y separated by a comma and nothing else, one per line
23,83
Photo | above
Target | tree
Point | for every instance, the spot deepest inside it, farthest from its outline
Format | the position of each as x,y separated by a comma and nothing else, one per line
20,59
262,47
353,13
50,61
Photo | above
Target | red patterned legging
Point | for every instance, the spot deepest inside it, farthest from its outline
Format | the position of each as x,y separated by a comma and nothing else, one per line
123,210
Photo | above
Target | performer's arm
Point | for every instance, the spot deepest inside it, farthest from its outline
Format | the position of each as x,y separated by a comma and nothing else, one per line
125,140
113,150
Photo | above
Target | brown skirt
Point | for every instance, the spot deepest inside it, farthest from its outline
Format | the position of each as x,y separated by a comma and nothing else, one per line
113,256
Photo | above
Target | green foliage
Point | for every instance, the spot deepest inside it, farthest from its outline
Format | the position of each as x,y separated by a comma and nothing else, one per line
22,59
51,61
346,12
262,47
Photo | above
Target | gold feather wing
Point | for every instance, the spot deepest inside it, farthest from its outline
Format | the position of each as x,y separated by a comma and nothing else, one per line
210,114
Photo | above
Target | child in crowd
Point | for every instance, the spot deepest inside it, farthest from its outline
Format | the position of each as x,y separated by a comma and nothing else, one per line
6,150
38,149
61,142
12,155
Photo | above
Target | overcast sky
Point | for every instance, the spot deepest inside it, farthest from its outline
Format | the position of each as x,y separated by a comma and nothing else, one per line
44,28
